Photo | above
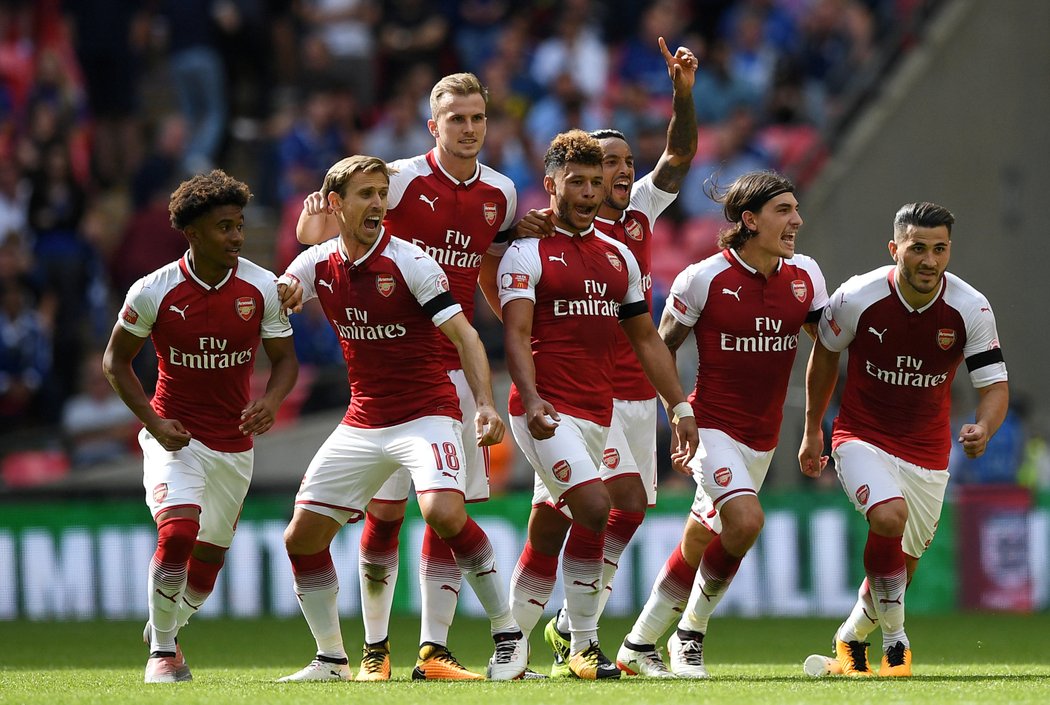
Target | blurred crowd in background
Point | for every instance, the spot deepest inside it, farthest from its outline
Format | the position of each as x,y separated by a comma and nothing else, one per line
106,105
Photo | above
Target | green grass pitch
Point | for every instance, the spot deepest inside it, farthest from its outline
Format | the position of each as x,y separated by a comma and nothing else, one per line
986,659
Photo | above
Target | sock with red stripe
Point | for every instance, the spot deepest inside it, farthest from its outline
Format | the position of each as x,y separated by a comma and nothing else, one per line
316,586
167,579
200,582
716,571
531,585
377,571
439,584
473,553
582,577
667,600
887,578
862,620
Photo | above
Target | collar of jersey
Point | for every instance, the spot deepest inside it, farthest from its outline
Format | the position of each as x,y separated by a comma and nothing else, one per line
187,270
740,260
435,166
378,246
623,217
892,278
567,233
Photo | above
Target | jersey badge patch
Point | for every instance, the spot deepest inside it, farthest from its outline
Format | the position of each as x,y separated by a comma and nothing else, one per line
945,338
385,284
723,476
678,304
863,492
634,230
160,492
514,281
245,307
562,470
443,282
611,458
799,289
488,209
130,315
614,261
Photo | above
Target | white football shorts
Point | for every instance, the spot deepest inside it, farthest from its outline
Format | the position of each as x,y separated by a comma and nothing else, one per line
871,476
353,463
568,459
631,446
197,476
475,459
724,468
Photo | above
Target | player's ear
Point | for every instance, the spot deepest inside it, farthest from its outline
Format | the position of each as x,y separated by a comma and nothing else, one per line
433,127
892,246
548,184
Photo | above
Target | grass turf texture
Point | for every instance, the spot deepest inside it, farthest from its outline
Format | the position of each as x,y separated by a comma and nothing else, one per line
987,659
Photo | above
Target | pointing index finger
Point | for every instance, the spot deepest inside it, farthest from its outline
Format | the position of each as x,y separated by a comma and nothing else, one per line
668,56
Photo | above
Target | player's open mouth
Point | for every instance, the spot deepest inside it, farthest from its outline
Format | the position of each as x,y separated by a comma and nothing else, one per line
371,222
622,187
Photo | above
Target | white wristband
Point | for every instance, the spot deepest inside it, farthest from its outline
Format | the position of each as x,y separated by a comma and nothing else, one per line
681,410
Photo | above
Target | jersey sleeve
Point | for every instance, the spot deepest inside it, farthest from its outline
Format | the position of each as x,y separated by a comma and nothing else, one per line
302,269
634,276
688,296
838,325
519,271
820,287
399,181
275,322
650,200
140,309
984,358
429,284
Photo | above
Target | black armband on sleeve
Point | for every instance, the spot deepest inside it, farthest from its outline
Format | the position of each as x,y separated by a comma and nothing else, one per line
632,310
502,236
988,357
814,316
438,304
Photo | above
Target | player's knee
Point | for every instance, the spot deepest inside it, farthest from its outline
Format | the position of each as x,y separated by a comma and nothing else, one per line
208,553
175,539
445,518
694,543
889,519
594,513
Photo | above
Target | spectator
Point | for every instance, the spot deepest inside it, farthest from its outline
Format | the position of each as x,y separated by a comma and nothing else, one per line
96,424
346,28
25,356
576,49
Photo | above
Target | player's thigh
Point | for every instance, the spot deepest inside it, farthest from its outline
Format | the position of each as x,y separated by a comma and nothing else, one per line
567,459
722,467
631,445
475,458
229,475
431,448
171,478
345,474
924,492
868,474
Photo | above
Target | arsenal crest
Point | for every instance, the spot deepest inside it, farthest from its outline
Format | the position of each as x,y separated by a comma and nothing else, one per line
723,476
614,261
245,307
945,338
798,288
385,284
160,492
562,471
611,458
489,210
863,492
634,229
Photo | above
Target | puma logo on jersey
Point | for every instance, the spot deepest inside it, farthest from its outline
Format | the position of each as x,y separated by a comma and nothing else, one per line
734,294
559,258
428,201
326,285
876,333
181,311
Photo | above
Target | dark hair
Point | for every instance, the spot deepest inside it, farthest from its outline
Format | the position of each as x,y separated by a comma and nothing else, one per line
922,215
199,194
574,146
606,133
749,192
340,173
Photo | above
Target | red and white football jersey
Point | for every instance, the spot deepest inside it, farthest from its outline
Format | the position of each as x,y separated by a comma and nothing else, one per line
452,221
902,362
635,229
384,308
746,329
206,339
582,285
